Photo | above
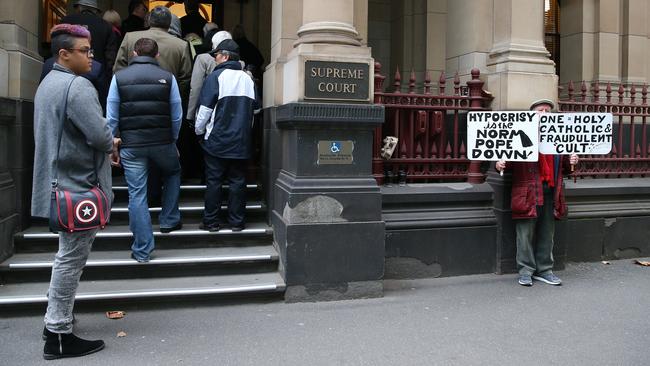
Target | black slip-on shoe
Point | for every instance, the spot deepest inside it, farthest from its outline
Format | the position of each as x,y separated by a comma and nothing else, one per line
238,228
58,345
210,227
166,230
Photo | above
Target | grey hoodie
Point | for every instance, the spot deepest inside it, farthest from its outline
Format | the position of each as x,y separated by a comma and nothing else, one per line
85,144
175,26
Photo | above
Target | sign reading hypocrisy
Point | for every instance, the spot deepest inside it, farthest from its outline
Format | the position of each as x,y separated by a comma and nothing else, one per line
509,136
575,133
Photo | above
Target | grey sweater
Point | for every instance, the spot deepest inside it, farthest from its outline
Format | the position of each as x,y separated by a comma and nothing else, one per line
85,144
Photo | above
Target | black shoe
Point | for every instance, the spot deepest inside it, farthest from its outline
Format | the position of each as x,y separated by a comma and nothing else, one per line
211,227
237,228
170,229
59,345
143,260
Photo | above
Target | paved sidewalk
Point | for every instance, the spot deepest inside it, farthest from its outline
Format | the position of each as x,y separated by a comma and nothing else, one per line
599,317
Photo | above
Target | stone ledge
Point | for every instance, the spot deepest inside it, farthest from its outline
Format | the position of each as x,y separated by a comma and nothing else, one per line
304,114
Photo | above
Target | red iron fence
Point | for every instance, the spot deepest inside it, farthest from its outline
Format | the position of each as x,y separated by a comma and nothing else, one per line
431,128
630,155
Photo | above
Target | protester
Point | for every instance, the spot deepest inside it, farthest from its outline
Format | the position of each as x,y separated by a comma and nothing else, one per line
136,20
193,22
144,112
224,118
537,199
82,163
103,41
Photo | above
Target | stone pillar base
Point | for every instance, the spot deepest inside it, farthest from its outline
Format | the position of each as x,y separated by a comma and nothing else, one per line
334,292
516,90
326,214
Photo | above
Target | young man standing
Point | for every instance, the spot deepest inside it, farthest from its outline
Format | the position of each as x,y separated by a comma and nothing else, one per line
224,120
82,162
144,112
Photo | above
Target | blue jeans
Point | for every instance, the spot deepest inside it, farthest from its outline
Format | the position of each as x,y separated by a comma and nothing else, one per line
216,172
135,161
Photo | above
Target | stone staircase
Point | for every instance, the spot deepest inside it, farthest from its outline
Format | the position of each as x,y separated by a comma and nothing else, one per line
186,263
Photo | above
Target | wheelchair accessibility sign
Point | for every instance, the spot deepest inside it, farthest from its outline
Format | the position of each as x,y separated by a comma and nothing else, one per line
335,152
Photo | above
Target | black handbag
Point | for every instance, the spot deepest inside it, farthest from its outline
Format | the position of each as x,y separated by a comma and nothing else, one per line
76,211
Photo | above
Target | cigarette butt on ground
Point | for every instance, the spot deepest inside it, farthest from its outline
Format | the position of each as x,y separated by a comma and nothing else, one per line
117,314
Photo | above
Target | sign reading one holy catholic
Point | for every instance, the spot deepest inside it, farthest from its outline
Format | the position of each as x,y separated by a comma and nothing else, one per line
575,133
337,81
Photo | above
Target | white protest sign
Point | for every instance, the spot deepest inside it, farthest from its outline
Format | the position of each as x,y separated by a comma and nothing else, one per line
575,133
508,136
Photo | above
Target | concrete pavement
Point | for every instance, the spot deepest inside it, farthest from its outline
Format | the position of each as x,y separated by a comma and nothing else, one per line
598,317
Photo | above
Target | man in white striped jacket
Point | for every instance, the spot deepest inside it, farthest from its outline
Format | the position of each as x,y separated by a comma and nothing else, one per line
224,117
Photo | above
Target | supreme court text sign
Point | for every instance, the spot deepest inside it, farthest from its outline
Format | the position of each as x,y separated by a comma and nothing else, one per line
509,136
343,81
575,133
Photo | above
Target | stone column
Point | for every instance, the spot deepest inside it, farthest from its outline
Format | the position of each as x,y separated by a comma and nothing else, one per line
469,37
325,204
519,71
20,68
417,36
519,67
592,39
634,37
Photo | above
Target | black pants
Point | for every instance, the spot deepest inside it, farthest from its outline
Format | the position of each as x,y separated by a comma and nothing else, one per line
190,151
217,170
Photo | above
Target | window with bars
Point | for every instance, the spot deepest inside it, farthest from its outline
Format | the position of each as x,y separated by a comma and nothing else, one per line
552,30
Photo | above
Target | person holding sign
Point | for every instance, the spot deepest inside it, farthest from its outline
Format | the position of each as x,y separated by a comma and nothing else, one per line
537,199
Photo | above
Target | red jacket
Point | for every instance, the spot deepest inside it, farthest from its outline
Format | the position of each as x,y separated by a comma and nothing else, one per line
527,192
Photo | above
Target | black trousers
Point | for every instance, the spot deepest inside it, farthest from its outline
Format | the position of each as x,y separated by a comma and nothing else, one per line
218,171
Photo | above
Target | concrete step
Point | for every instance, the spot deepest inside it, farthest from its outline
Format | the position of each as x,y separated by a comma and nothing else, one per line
38,238
188,191
31,267
191,209
151,288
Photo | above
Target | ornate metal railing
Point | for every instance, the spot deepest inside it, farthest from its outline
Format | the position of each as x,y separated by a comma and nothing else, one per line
431,128
630,155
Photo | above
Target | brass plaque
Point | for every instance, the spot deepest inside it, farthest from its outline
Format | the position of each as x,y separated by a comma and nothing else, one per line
335,152
343,81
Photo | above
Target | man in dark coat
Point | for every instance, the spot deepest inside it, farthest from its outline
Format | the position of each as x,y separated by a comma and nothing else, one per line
537,201
103,40
193,22
228,99
135,21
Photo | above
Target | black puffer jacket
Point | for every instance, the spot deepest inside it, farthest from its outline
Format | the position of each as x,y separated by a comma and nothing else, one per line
145,112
